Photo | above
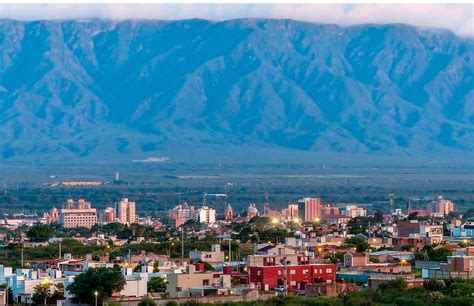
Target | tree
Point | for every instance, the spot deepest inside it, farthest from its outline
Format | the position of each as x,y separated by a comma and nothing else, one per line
378,216
58,291
207,266
41,293
359,242
458,289
103,280
40,233
434,285
357,225
156,284
407,247
146,301
156,267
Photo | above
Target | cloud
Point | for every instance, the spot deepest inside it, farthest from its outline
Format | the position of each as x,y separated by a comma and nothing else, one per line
457,17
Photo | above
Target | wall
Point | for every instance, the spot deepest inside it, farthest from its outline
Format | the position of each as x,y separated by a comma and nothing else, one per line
249,296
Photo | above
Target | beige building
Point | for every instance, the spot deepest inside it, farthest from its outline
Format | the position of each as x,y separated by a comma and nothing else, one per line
126,212
79,214
180,284
441,207
433,234
213,257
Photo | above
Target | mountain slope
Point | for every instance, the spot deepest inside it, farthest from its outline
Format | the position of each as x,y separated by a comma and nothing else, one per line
94,88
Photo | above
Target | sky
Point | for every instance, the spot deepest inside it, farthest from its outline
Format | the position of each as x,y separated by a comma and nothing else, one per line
459,18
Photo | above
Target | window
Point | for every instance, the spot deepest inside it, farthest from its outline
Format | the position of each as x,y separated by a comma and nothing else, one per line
279,272
205,282
328,270
292,272
259,272
178,289
305,271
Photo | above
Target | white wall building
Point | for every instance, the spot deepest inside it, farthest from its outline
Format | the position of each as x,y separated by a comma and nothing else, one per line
355,211
206,215
213,257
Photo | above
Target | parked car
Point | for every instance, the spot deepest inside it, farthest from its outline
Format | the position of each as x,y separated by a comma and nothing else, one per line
301,292
279,288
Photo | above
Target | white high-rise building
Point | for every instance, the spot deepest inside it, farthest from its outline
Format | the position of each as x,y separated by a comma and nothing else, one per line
355,211
206,215
126,211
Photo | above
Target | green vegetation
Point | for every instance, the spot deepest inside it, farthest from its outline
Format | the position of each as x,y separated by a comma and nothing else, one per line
359,243
432,253
40,233
146,301
395,292
156,284
103,281
41,293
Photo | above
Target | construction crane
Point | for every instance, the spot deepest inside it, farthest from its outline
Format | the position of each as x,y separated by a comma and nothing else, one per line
217,195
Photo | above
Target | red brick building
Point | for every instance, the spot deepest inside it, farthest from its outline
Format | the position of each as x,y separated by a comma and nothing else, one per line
415,243
268,277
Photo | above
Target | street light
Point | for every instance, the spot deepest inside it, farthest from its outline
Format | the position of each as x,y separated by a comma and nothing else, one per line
402,262
95,294
275,220
317,220
45,283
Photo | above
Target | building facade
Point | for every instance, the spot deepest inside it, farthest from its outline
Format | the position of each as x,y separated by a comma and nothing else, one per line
295,276
354,211
312,209
441,207
125,211
206,215
181,213
77,214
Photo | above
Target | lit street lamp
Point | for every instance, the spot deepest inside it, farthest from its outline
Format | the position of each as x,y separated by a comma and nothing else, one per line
95,294
402,262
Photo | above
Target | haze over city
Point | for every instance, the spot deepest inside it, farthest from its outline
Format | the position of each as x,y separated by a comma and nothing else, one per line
237,154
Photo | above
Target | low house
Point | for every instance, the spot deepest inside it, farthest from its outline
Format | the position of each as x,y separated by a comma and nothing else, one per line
215,256
207,283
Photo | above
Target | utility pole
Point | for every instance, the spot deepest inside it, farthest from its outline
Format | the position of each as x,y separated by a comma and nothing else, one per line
230,248
60,249
285,284
22,257
182,245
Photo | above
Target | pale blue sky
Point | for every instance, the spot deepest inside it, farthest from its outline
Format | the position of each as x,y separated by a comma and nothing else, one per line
457,17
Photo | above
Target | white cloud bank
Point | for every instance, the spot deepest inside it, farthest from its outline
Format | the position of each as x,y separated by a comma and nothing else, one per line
459,18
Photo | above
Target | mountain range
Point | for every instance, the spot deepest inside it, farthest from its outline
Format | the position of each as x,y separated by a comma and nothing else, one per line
130,90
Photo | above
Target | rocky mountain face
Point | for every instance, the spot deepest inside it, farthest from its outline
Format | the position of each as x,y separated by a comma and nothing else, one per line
129,89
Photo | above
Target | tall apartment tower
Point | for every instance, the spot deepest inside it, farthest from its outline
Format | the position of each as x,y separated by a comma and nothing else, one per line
312,209
126,211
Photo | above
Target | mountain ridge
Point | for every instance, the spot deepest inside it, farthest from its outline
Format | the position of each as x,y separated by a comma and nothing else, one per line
79,89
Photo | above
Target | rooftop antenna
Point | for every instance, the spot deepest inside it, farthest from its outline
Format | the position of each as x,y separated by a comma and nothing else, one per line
204,199
392,203
266,206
